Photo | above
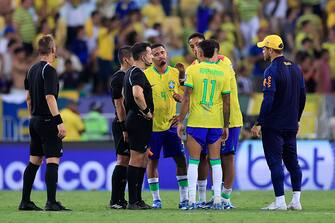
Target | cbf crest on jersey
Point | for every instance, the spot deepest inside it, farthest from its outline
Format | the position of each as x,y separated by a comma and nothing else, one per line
172,85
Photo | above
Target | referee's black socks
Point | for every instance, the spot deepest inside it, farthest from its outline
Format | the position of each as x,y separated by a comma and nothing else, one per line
140,182
28,180
51,176
132,176
119,181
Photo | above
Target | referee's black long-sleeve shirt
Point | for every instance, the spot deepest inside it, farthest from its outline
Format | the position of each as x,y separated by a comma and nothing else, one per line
41,80
284,95
135,76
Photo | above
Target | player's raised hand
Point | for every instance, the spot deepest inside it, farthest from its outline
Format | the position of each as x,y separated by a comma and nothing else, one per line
225,134
180,67
180,130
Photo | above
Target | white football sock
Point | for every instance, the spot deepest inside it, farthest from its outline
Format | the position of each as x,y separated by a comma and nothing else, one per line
183,187
154,188
192,176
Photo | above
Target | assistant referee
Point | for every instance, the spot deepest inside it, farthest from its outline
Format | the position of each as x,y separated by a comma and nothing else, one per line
282,106
46,126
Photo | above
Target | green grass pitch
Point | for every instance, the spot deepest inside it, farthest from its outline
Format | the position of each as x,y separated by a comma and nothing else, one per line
91,206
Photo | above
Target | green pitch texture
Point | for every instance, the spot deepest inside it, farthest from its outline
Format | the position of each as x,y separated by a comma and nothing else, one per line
91,206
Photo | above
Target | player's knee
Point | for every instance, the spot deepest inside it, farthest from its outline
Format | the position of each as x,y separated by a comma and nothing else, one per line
122,160
36,160
138,160
53,160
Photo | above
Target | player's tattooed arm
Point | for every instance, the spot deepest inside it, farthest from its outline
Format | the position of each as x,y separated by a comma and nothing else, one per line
185,105
181,68
226,109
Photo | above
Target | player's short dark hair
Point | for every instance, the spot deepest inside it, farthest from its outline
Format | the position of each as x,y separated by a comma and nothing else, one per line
208,47
196,35
46,44
156,45
138,49
124,52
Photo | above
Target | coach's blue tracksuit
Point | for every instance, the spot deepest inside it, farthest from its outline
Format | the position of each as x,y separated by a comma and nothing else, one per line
282,106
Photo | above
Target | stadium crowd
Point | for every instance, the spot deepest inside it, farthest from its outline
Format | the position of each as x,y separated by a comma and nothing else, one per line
89,33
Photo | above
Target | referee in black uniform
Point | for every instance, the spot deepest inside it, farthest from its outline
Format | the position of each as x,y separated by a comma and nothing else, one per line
46,126
282,106
139,102
119,177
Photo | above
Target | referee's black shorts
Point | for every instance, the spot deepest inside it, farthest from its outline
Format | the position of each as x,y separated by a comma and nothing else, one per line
44,137
122,148
139,131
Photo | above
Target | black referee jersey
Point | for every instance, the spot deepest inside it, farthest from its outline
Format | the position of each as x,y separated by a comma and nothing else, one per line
41,80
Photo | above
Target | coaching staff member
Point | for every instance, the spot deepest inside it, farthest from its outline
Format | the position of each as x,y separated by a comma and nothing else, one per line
119,178
46,126
140,106
282,106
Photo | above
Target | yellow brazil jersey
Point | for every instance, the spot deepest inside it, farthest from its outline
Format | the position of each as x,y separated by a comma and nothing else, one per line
209,81
236,119
106,44
163,88
73,125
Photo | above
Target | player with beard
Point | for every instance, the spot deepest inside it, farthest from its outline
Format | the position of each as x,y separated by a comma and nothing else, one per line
165,83
138,100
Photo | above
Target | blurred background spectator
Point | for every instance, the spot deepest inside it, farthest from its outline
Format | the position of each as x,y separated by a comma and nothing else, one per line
95,123
89,33
73,122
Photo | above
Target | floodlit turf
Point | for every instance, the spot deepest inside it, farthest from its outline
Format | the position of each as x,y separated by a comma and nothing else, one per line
92,207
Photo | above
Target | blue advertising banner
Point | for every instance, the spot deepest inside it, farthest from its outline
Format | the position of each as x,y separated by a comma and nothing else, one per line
90,167
316,159
80,169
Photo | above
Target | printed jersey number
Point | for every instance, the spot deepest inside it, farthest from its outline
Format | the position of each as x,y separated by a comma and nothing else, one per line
204,102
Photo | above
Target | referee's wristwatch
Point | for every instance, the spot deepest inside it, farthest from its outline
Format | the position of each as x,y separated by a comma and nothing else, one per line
146,111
